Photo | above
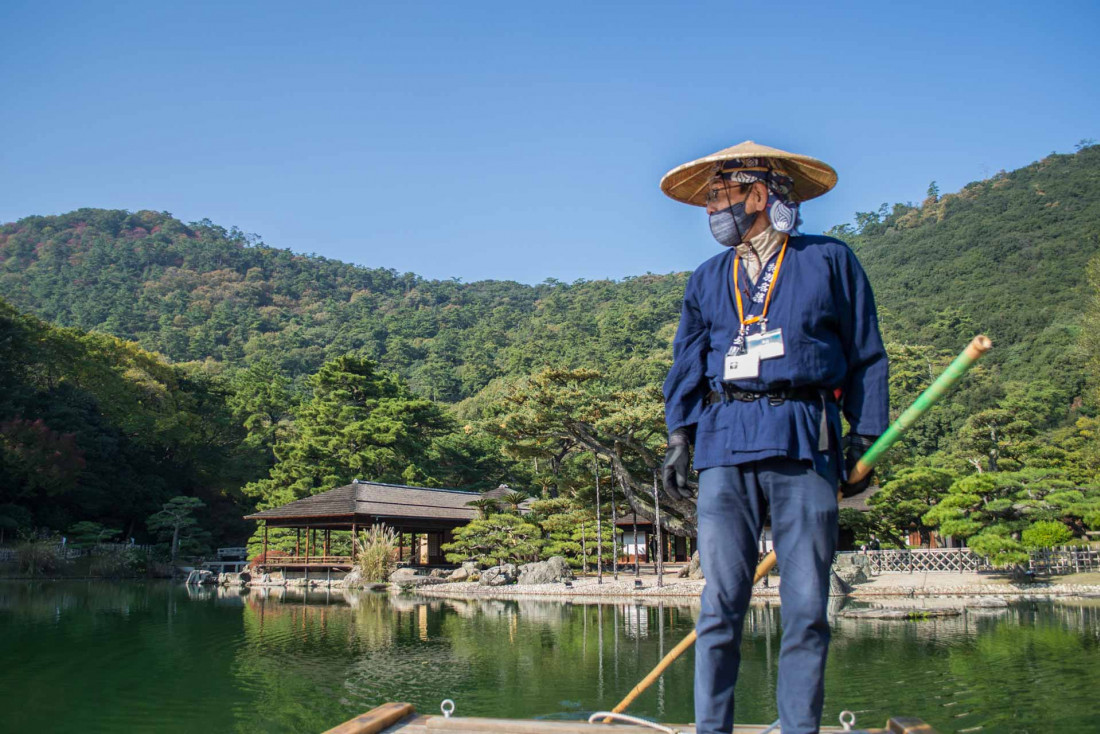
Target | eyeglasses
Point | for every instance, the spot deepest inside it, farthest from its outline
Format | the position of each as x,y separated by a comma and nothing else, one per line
712,195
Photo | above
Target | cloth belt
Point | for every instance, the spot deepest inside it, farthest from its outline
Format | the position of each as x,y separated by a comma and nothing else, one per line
730,393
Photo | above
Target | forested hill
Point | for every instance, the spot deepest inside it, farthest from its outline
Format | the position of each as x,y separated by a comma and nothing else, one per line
198,291
1006,256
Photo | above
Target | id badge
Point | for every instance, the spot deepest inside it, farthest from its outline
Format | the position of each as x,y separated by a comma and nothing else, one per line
766,345
745,366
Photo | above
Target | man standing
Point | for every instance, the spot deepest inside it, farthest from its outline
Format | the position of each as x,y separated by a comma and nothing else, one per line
777,335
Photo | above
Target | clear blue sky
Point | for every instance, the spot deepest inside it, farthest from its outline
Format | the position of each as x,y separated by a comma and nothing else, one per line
518,140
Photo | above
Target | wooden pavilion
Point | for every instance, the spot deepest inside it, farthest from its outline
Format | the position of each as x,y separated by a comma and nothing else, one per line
640,541
428,515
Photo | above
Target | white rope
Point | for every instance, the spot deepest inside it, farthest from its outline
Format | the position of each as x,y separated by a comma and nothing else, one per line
631,720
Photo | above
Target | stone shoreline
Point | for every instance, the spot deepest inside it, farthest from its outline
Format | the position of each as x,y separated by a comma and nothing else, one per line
1023,592
874,590
680,590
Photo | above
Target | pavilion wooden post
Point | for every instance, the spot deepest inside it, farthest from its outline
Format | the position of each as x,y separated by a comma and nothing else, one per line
305,573
297,542
328,537
400,547
265,544
354,536
584,549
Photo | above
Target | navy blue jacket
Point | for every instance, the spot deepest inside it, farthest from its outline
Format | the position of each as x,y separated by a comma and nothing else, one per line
822,301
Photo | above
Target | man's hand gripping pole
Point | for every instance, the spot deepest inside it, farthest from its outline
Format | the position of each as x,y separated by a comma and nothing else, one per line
931,395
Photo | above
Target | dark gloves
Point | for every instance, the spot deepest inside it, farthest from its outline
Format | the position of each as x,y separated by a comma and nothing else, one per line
674,473
855,446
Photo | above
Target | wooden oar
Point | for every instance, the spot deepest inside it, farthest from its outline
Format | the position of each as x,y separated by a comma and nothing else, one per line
931,395
377,719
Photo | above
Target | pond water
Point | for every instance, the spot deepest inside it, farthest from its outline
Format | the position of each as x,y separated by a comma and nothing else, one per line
102,657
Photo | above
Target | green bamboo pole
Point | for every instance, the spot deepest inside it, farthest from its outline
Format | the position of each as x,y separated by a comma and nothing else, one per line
931,395
978,346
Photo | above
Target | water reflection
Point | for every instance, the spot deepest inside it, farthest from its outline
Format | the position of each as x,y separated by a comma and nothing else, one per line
277,659
534,658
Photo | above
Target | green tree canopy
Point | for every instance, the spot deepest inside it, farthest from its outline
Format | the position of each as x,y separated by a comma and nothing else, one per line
360,422
176,523
493,540
903,501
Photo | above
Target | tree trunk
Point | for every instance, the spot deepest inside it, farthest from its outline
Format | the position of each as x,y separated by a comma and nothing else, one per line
657,527
614,534
584,551
636,489
599,525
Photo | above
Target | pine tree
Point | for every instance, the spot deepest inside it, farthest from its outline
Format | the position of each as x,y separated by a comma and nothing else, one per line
362,422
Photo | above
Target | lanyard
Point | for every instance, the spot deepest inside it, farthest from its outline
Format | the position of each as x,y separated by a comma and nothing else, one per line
767,297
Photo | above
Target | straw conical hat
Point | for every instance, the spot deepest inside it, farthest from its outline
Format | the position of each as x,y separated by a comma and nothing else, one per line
689,183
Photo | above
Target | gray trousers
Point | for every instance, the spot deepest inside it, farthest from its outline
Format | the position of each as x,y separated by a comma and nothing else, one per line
733,504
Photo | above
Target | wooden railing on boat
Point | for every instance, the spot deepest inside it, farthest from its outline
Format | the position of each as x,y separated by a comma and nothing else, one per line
401,718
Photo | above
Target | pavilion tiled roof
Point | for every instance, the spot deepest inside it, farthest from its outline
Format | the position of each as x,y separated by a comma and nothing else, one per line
378,500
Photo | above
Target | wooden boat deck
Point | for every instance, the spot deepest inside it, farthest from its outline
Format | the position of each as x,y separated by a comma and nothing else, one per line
400,718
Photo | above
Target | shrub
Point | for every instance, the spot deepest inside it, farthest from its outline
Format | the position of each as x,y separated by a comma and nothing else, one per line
260,558
117,563
1046,534
1001,550
374,551
86,535
36,557
495,539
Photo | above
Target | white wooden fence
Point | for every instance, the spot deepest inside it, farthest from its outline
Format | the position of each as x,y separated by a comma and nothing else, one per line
921,560
1068,559
8,555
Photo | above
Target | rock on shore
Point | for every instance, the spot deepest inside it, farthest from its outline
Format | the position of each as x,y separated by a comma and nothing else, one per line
550,571
411,578
693,570
904,614
466,572
499,575
235,579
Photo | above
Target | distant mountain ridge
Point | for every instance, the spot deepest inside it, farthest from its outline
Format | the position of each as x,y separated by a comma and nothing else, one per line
1006,255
